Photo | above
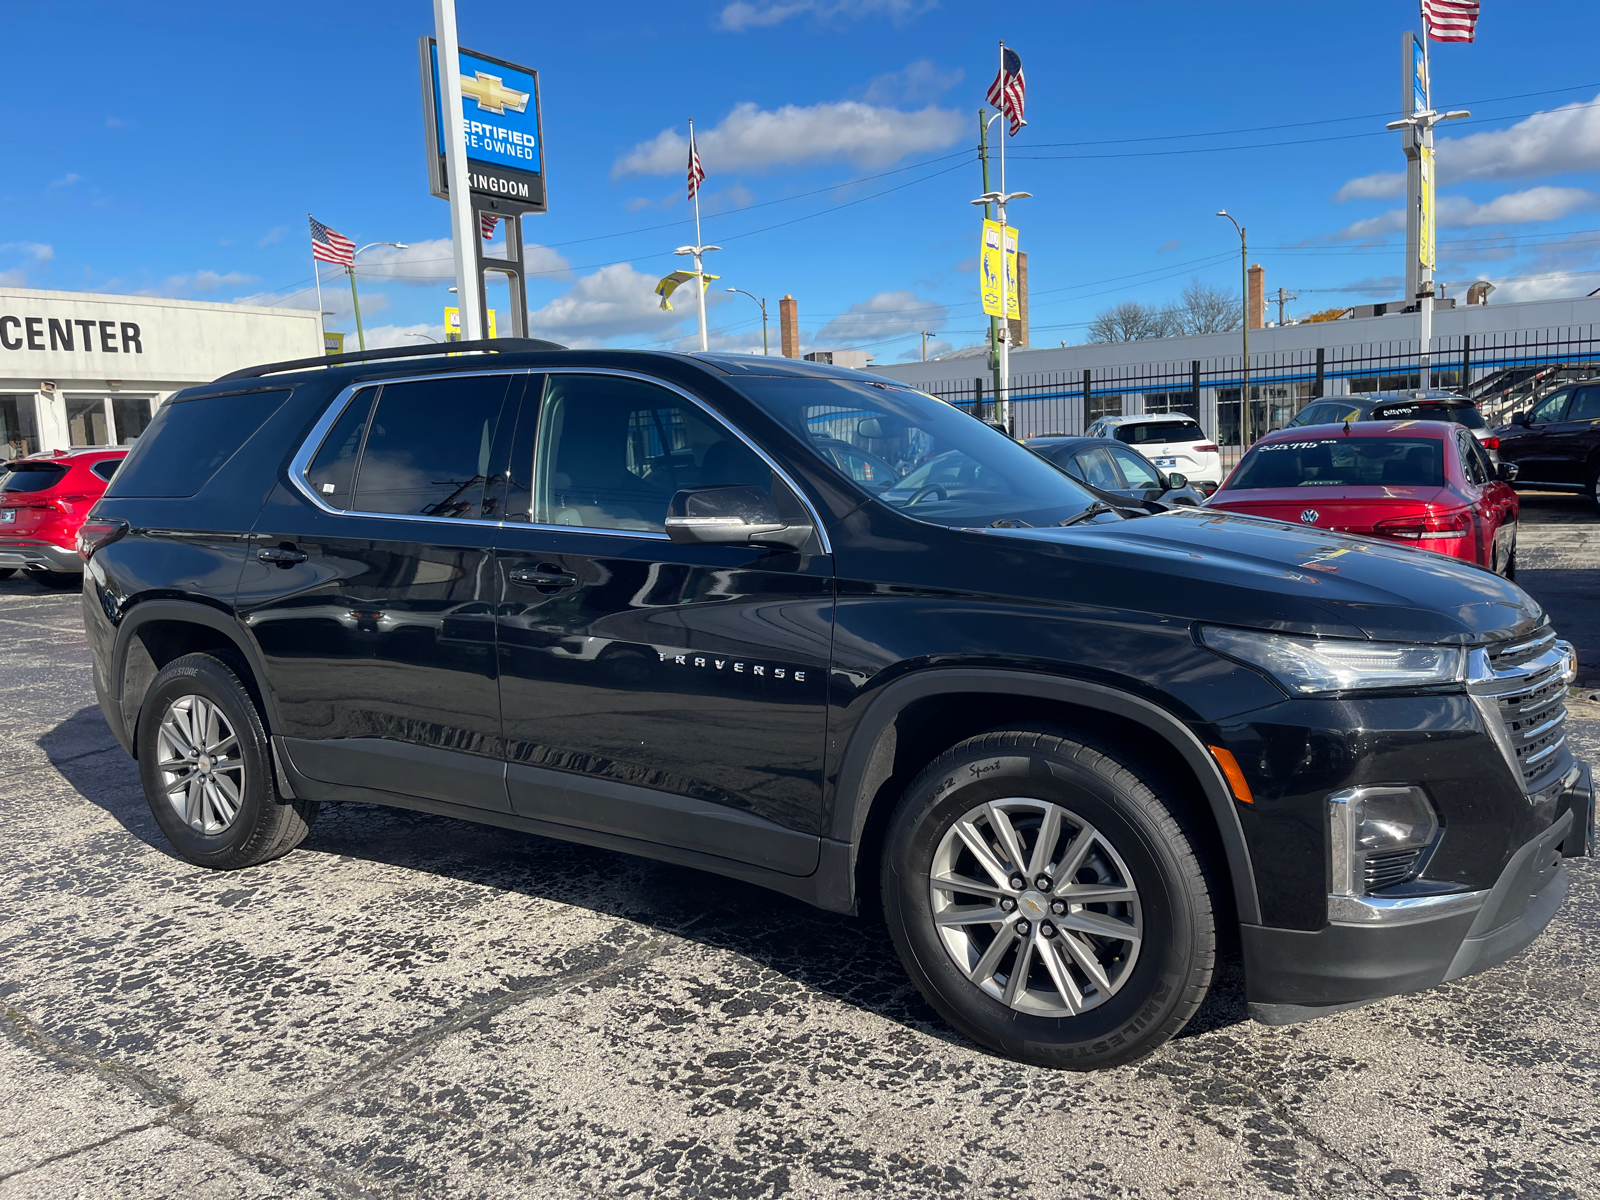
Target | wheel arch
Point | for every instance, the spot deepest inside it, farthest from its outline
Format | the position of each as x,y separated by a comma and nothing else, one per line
155,632
865,795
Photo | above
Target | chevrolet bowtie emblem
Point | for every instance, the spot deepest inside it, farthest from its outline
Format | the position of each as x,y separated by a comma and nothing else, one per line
492,95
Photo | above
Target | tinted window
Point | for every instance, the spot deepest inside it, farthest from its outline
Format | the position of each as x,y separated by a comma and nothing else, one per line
31,477
107,467
1350,462
1136,471
1551,408
1096,469
189,441
332,472
1585,405
427,448
1464,415
1473,461
953,470
612,451
1142,432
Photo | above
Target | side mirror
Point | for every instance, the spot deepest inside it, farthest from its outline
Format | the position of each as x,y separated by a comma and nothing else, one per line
1506,472
1519,418
1176,479
741,516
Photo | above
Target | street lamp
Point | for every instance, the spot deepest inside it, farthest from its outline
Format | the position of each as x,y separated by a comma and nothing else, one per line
1244,292
763,305
355,299
700,281
423,336
1003,397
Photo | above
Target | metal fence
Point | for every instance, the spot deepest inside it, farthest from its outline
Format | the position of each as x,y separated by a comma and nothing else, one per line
1501,371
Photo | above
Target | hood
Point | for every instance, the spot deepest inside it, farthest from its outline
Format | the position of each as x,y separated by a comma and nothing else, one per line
1230,569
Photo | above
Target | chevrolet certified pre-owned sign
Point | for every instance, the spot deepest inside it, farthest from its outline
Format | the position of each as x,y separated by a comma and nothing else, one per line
500,124
19,331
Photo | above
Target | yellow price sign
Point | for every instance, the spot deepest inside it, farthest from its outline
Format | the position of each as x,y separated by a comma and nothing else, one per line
452,325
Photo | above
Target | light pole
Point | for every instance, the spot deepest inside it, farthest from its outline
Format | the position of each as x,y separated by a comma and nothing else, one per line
1244,293
355,299
700,285
423,336
763,305
1000,200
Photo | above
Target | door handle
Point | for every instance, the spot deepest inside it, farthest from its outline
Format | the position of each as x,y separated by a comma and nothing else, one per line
545,577
281,556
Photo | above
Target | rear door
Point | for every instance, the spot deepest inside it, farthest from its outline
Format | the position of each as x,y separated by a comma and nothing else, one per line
652,690
369,590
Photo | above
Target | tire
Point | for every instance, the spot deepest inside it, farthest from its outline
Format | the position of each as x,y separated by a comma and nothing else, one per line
1511,564
1591,486
56,581
232,815
1148,986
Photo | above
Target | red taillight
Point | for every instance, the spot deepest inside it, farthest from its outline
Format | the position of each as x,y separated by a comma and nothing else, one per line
1208,448
1426,526
97,532
1490,443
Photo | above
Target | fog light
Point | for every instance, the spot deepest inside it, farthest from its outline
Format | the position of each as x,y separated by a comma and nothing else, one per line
1368,828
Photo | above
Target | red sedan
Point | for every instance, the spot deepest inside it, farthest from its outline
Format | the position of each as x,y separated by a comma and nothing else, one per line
1425,484
44,498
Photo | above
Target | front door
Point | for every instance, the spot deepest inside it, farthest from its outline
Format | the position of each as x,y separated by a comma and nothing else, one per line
371,603
671,692
1535,448
1575,438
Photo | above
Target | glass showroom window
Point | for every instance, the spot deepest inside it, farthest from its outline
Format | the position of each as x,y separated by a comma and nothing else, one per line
130,415
91,420
19,428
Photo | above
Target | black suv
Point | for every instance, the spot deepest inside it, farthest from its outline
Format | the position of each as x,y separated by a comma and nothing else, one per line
634,600
1556,444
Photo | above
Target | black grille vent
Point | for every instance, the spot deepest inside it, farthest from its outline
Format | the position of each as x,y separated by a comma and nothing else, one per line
1394,867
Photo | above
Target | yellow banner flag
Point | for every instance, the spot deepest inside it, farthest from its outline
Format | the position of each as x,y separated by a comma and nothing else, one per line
989,268
1425,227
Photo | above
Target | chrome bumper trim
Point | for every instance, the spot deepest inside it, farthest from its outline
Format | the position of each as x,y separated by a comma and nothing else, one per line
1400,910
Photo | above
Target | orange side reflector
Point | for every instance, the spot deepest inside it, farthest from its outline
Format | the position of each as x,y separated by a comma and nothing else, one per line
1234,776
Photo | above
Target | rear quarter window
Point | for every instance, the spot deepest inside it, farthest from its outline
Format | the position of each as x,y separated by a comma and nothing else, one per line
189,441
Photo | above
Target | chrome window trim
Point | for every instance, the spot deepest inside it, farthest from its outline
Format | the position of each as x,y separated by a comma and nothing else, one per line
313,442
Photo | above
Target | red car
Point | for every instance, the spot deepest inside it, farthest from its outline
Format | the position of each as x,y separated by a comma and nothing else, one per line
44,498
1425,484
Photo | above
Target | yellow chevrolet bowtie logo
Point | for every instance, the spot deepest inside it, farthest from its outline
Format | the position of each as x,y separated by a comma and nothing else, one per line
492,95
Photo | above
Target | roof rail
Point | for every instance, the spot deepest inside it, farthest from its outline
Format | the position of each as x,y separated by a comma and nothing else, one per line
500,345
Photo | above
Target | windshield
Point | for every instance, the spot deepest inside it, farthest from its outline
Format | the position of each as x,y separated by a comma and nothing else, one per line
1342,461
942,466
1141,432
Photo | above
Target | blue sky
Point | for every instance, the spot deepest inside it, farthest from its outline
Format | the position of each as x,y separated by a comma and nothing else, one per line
176,149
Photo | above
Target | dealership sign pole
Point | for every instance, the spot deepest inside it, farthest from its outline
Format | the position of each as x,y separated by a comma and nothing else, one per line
463,229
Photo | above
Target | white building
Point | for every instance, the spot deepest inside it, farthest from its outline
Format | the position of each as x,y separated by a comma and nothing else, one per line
78,369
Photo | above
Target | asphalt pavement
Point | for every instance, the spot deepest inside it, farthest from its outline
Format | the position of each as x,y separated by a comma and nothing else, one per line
410,1006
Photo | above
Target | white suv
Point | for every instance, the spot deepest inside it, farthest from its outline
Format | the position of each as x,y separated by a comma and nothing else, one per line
1172,441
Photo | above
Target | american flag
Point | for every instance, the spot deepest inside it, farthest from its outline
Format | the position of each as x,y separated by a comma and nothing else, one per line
487,223
1006,92
1451,20
328,246
697,173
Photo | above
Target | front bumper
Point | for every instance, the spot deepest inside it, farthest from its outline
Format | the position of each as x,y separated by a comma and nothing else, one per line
26,552
1374,947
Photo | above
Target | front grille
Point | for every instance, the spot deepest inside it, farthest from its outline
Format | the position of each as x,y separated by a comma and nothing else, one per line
1394,867
1530,693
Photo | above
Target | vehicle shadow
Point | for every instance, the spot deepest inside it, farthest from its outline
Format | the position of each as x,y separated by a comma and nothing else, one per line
850,959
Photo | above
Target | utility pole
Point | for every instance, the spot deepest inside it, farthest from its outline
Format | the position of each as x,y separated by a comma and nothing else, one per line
925,336
988,212
1283,298
1244,293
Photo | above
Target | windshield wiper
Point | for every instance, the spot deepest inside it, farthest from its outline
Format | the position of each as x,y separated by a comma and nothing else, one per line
1094,510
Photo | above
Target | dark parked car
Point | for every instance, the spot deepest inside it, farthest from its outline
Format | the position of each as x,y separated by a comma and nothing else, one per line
1433,405
1068,749
1556,444
1112,467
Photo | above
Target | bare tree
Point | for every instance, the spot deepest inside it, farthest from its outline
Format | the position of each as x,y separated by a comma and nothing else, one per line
1129,321
1206,309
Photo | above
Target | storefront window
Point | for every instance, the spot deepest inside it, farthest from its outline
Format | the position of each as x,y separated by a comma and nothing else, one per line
132,415
86,421
19,430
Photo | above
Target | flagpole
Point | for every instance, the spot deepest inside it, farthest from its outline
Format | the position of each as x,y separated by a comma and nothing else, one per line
699,274
322,330
1003,398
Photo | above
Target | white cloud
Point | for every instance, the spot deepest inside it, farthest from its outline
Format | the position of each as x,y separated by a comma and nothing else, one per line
1385,185
922,82
383,336
1513,208
39,252
432,261
275,234
751,138
1168,247
1554,286
66,180
936,347
743,14
888,314
616,301
1549,143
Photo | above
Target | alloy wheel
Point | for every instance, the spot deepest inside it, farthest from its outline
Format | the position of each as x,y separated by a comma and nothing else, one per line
1036,907
202,771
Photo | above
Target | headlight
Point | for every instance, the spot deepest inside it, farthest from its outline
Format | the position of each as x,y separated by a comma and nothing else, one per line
1304,666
